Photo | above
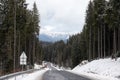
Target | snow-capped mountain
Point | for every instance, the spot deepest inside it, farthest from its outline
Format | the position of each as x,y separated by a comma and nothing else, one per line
53,37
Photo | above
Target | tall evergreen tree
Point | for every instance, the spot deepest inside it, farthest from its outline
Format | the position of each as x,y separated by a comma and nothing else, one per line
36,27
99,10
89,25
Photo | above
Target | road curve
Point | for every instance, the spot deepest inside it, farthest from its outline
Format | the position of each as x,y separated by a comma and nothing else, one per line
62,75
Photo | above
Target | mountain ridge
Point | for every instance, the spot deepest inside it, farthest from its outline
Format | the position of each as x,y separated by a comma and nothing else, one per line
53,37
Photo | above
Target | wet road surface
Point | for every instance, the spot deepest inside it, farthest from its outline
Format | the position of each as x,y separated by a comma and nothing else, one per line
62,75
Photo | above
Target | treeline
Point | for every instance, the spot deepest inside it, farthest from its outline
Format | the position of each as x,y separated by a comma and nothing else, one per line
102,28
65,54
27,34
99,38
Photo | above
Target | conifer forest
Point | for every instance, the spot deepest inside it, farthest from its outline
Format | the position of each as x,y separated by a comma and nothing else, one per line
19,31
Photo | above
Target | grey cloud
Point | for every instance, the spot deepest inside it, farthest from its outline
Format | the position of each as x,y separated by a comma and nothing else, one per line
62,15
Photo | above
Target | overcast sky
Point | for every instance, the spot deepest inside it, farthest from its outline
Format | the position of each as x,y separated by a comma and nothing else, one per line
61,15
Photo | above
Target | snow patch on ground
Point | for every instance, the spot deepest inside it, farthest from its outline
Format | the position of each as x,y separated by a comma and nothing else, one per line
102,69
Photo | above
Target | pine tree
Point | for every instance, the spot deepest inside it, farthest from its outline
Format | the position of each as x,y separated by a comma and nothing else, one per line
36,27
99,10
115,4
89,25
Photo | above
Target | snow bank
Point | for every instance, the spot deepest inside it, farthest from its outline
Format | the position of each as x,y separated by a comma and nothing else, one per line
103,68
33,76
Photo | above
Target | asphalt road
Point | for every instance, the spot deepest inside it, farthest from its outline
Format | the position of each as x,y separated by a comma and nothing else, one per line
62,75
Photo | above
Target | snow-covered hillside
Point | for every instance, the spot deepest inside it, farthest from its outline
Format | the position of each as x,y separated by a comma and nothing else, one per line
102,69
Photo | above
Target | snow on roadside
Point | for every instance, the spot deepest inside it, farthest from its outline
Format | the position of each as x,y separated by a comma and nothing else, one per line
93,76
102,69
33,76
36,76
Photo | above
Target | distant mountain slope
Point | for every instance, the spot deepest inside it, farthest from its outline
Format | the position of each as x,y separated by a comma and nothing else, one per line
53,37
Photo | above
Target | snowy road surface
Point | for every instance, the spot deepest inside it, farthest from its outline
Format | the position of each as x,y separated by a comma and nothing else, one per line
62,75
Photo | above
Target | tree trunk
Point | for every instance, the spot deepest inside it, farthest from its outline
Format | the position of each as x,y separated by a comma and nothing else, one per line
94,45
104,43
25,42
98,42
30,48
19,46
119,39
33,48
101,43
114,43
14,66
90,44
9,45
109,44
37,55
